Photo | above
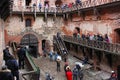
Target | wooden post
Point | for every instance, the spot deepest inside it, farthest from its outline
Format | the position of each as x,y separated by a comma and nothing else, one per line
94,59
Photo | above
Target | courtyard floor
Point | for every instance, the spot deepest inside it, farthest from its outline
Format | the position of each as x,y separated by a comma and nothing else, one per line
47,66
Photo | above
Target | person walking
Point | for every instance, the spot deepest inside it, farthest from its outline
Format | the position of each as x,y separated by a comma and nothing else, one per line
13,66
21,57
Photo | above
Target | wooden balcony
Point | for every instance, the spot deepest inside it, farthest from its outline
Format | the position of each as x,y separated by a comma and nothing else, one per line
93,44
87,5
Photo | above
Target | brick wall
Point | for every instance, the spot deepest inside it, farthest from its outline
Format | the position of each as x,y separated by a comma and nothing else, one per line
15,28
106,25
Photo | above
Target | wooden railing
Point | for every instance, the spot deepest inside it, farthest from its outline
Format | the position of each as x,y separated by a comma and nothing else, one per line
83,5
98,45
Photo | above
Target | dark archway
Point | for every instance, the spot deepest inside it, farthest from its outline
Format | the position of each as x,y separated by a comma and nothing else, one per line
28,2
46,2
43,44
109,59
117,36
31,41
58,3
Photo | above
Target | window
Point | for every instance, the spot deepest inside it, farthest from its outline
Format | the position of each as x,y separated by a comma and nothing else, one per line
28,2
28,23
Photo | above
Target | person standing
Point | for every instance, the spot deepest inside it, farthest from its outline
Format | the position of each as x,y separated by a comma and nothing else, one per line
40,6
13,66
80,75
6,54
51,55
75,73
66,64
113,76
21,57
58,64
34,7
5,74
69,73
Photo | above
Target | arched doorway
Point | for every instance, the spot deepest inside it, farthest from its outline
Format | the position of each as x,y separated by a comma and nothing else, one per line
31,41
43,44
27,2
117,36
58,3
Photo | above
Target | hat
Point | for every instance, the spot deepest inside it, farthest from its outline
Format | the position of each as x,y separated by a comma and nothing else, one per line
68,68
7,46
4,67
112,71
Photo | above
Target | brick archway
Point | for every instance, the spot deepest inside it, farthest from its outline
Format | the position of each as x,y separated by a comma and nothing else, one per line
31,41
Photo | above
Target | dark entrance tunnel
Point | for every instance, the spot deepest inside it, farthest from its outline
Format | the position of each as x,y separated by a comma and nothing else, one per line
31,41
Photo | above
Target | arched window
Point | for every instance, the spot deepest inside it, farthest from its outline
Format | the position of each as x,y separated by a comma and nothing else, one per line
28,22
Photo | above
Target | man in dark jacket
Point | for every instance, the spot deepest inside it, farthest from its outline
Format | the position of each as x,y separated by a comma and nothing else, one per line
58,65
6,54
75,74
5,74
13,66
21,57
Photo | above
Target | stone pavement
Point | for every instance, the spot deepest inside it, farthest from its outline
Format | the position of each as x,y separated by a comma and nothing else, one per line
48,66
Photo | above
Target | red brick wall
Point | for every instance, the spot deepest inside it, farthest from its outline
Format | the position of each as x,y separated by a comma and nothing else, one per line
108,23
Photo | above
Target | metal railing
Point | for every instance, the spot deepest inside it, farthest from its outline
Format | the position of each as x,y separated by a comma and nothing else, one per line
85,4
34,73
94,44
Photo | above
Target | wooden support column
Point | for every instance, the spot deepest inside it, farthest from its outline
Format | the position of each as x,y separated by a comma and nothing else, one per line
54,17
94,59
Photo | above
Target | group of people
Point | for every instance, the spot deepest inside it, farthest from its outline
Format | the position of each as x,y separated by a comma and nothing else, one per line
75,74
63,6
10,70
89,36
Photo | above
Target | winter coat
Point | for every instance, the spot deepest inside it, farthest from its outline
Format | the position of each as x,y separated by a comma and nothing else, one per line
6,54
6,75
21,54
69,75
75,72
13,66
